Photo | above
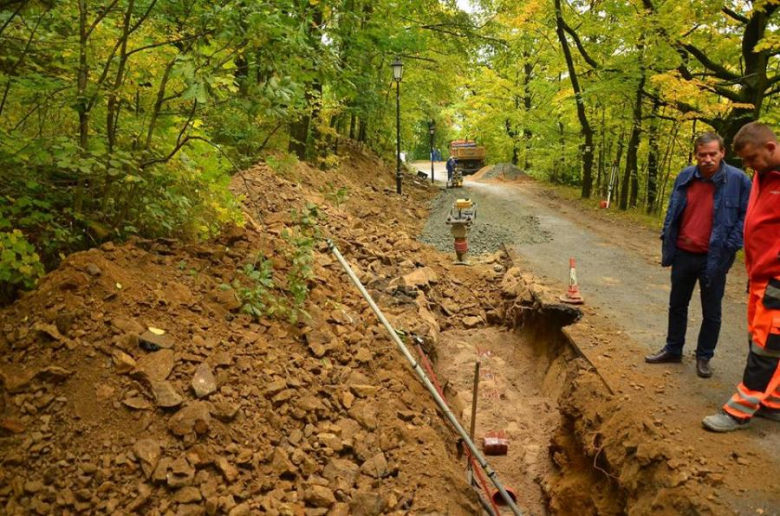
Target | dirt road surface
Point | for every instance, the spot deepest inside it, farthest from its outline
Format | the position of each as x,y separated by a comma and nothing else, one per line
626,292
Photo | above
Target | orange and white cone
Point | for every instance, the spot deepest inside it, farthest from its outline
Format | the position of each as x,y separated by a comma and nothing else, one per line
572,295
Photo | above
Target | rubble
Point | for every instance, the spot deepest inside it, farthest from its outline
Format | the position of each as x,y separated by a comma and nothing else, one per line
223,413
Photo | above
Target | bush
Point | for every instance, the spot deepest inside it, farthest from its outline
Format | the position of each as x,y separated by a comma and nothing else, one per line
20,265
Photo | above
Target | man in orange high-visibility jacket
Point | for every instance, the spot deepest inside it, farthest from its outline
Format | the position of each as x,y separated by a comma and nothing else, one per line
759,392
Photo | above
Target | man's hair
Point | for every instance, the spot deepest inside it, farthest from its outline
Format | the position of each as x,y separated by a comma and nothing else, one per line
753,133
705,138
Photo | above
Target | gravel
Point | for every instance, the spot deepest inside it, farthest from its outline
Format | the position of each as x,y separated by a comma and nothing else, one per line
497,223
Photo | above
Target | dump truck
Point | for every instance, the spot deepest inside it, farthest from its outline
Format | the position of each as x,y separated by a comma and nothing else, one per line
470,156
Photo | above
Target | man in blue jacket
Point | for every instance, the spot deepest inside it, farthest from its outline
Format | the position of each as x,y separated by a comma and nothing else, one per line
450,168
701,236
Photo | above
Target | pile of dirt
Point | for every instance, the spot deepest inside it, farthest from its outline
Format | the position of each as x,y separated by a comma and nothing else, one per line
502,171
133,382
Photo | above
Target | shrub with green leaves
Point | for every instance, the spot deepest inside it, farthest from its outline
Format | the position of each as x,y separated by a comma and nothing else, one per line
20,265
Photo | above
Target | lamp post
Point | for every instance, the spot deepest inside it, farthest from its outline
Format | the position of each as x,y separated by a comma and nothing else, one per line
398,73
431,130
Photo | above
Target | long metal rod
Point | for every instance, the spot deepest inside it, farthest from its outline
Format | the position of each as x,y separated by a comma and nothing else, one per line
489,471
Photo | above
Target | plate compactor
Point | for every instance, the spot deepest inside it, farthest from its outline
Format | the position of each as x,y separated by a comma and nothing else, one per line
461,217
457,179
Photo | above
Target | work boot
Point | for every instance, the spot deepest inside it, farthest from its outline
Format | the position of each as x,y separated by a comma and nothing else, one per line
768,413
663,357
703,368
722,422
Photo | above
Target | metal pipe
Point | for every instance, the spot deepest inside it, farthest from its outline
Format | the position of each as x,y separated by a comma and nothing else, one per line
489,471
474,393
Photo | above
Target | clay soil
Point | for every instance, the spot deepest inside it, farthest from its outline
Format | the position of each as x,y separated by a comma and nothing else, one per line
228,414
232,414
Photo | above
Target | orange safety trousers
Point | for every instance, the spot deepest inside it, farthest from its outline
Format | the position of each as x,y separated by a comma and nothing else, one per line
760,386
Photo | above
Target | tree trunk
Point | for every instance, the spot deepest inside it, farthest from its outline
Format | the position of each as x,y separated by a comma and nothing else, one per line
81,100
528,69
587,131
633,148
618,158
112,110
652,159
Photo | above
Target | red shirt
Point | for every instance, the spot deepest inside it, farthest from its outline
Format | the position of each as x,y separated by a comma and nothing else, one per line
762,228
696,223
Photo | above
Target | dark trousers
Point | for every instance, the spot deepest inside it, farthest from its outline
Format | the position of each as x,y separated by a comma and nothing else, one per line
687,269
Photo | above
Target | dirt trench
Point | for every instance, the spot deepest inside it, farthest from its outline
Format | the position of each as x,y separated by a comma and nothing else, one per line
574,447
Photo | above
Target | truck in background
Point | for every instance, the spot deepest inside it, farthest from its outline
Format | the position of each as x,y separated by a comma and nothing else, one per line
470,156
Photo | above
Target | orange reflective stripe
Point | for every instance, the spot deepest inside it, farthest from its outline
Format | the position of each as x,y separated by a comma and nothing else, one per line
740,413
772,402
752,396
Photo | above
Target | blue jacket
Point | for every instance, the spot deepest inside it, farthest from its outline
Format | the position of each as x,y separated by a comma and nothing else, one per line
732,191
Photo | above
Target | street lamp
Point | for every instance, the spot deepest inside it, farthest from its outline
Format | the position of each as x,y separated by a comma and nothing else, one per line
398,73
432,130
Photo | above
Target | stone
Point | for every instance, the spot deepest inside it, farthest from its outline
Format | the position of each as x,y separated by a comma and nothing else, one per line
309,403
137,403
241,509
156,366
280,463
341,468
127,325
363,391
53,374
347,399
181,473
144,493
221,359
203,383
160,475
376,466
471,321
33,486
367,503
190,509
193,418
154,341
364,355
229,471
187,494
148,453
227,299
318,342
319,496
224,411
11,425
165,395
275,387
420,278
123,363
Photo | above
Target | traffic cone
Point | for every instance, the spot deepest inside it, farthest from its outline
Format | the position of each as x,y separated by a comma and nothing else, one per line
572,295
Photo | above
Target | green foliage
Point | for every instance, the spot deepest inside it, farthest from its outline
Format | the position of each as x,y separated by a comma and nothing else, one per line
301,240
20,265
283,164
261,295
336,196
258,298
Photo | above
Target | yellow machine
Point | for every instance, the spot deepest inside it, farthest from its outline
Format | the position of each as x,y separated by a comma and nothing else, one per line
461,217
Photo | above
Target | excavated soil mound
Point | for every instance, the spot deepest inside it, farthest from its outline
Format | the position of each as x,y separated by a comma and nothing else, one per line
504,171
225,414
